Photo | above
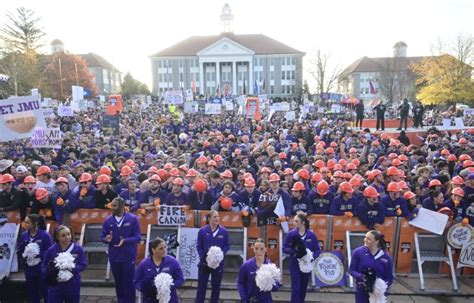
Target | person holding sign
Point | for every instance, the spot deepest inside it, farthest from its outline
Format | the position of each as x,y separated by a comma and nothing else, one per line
32,246
302,245
370,263
158,262
249,271
121,231
210,236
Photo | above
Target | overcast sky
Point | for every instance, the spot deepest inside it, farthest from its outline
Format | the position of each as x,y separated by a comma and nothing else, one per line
126,33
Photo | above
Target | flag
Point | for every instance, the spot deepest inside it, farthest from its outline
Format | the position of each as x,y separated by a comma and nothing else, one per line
280,211
244,92
372,88
226,89
194,84
218,90
264,86
255,87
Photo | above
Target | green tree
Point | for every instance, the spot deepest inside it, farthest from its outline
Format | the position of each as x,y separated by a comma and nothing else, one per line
132,87
20,39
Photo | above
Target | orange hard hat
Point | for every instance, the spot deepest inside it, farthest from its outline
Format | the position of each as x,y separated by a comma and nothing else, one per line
298,186
155,178
342,162
401,174
104,179
247,175
304,174
226,203
403,158
445,152
347,176
192,173
178,181
452,158
464,157
288,171
282,155
316,177
434,182
394,143
446,210
126,171
184,168
249,182
356,162
403,185
212,163
463,141
201,160
354,182
392,156
458,191
168,166
164,175
467,163
384,136
329,150
322,188
331,163
338,174
105,170
6,178
174,172
130,163
61,180
43,170
353,150
152,169
337,167
218,158
274,178
333,144
346,187
85,177
371,192
29,179
457,180
227,174
392,171
265,170
396,162
408,195
200,185
41,193
393,187
351,166
375,173
319,164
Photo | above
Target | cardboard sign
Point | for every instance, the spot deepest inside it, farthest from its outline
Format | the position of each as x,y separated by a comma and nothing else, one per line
46,138
267,204
189,95
8,235
229,105
213,109
446,123
174,97
111,123
65,111
191,107
281,106
188,256
430,220
329,269
458,235
49,113
77,92
19,117
466,258
171,215
290,116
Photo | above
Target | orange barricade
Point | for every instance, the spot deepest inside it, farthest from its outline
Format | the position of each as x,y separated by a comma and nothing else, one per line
406,246
319,225
227,219
87,216
253,233
341,224
273,243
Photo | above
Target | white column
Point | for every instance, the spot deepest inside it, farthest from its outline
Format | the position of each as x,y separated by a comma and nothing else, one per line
201,78
250,87
234,78
218,76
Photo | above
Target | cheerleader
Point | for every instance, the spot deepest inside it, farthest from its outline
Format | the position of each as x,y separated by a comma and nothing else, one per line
368,263
210,236
296,243
121,231
246,282
32,245
158,262
64,282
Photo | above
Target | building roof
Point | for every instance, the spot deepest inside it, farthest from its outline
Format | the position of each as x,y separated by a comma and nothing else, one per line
259,43
400,43
56,42
367,65
94,60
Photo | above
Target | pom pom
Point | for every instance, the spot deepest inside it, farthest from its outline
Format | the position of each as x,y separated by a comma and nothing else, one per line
64,275
64,261
267,276
306,262
214,257
378,295
163,283
32,250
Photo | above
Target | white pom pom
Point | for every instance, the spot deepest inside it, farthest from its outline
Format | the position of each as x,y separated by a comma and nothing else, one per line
378,296
306,263
267,276
64,275
32,250
214,257
64,260
163,283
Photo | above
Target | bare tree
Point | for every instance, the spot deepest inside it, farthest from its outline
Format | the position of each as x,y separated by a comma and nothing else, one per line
317,67
396,79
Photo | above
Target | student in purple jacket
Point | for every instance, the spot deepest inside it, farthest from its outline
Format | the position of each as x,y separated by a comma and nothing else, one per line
68,291
246,283
121,231
158,261
35,233
209,235
370,260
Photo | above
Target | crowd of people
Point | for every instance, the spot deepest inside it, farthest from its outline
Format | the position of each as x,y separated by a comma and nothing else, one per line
316,165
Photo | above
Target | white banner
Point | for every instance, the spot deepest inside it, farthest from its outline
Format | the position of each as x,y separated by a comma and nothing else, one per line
281,107
19,116
46,138
290,116
171,215
466,258
447,123
174,97
45,102
430,220
229,105
213,109
469,112
48,113
77,93
189,95
8,234
75,105
65,111
188,256
191,107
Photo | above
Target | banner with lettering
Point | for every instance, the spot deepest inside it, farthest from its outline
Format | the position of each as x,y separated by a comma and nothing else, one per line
174,97
213,109
171,215
329,269
267,204
188,256
46,138
19,117
8,234
65,111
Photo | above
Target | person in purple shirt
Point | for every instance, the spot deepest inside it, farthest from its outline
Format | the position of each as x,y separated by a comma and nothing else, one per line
393,203
199,196
68,291
246,283
83,196
295,245
176,196
153,193
132,195
121,231
35,233
370,258
209,235
370,211
321,198
300,201
61,198
342,203
158,261
435,201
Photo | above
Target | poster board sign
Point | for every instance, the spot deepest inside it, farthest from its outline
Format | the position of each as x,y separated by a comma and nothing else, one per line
466,258
252,109
65,111
430,220
77,92
215,100
75,105
19,116
49,113
329,269
170,215
8,237
458,235
111,123
174,97
447,123
290,116
189,95
188,256
191,107
229,105
459,123
213,109
281,106
267,204
46,138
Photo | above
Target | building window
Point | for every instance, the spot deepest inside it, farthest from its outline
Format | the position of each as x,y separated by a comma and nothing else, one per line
272,89
181,77
272,61
293,61
283,75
